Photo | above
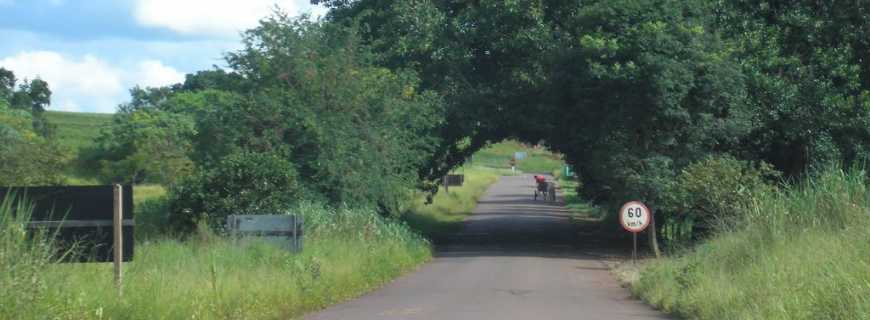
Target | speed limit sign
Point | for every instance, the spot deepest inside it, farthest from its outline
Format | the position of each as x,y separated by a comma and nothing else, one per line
634,216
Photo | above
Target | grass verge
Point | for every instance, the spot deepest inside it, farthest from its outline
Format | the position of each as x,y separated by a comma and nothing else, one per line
347,252
802,253
579,207
448,209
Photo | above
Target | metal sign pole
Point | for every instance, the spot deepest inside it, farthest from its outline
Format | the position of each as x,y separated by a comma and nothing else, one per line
634,217
634,251
118,246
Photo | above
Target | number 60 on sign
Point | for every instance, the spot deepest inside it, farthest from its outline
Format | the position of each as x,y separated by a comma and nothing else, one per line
634,216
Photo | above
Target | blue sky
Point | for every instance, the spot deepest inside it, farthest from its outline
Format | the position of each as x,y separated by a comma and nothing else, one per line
92,51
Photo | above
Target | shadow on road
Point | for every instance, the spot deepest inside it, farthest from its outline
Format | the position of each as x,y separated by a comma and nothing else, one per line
508,221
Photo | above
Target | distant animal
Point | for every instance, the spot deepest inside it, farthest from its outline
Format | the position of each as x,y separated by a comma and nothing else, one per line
551,191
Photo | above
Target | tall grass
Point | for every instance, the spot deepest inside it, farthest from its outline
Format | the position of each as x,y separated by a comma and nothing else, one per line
347,252
800,253
23,257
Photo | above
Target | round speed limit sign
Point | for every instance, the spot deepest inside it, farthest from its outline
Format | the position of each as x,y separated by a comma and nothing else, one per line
634,216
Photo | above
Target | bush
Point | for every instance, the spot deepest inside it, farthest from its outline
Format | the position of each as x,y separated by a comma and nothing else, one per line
711,192
241,183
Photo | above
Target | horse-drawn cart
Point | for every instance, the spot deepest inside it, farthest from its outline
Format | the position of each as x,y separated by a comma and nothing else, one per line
546,189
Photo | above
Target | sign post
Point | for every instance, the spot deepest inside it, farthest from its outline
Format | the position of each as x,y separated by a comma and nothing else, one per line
118,227
634,217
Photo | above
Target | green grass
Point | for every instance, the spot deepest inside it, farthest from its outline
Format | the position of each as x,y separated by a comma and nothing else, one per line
78,129
449,209
151,212
347,253
802,253
146,192
498,155
580,208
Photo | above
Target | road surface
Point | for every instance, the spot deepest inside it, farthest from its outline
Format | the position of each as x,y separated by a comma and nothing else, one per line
515,259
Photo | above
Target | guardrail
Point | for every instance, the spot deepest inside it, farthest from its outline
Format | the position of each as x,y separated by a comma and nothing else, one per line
284,230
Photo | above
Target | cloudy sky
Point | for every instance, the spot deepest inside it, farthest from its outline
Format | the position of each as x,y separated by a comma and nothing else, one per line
92,51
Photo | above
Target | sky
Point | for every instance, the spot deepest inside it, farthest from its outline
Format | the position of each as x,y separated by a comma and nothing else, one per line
91,52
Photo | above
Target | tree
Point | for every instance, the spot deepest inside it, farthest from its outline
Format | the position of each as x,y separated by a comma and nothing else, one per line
28,159
34,96
7,85
651,82
808,78
145,145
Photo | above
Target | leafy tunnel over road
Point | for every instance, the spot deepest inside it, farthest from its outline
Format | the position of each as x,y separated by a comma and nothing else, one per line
633,91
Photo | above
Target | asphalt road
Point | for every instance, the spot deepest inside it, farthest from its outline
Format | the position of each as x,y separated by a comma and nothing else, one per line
515,259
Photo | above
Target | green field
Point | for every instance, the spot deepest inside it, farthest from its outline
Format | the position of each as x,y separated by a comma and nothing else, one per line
498,155
78,129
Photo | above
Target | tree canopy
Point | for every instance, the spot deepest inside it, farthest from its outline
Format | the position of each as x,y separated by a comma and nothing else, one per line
632,91
382,96
27,154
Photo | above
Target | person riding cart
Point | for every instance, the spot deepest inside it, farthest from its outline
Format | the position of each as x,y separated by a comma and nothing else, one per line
541,182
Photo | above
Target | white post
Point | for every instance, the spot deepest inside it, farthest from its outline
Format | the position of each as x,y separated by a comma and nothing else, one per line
118,245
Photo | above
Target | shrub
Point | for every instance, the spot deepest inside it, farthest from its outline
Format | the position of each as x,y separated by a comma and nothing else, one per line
241,183
712,192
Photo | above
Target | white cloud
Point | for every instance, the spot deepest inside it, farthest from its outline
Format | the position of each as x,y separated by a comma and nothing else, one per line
225,18
88,83
153,73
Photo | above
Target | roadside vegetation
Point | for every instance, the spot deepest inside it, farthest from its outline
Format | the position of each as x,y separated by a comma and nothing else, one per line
797,253
347,252
222,143
581,208
444,215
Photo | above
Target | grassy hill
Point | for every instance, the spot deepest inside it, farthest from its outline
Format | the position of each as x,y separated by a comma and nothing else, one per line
78,129
498,155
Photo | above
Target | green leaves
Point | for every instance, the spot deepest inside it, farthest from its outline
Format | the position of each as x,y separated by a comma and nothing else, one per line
144,144
28,158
